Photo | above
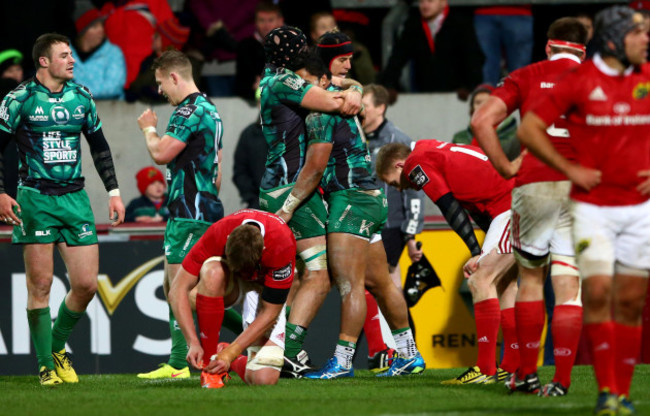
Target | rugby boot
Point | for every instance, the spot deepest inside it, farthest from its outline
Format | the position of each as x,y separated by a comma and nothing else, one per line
166,371
530,384
63,367
296,367
332,369
214,381
405,366
473,375
553,389
48,377
382,360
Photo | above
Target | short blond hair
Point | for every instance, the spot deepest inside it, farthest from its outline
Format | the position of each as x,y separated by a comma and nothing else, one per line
388,155
244,249
174,61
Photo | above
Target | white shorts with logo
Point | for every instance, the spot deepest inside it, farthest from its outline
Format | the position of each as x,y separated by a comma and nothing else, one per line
497,236
541,219
604,235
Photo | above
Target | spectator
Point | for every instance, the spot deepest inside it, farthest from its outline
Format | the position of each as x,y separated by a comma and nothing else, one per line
508,29
99,65
249,164
506,130
358,63
11,74
151,206
169,34
250,51
443,48
131,26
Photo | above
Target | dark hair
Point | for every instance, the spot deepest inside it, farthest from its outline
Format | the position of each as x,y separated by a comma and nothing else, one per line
173,60
244,249
568,29
43,46
266,6
388,154
314,18
315,65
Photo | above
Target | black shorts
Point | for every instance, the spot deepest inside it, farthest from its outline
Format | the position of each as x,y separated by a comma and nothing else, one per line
394,243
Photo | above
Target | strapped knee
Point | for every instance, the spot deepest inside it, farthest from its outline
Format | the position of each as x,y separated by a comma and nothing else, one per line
563,265
620,268
315,257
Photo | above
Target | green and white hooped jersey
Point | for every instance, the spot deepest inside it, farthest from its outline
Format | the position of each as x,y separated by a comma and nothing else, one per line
191,175
47,128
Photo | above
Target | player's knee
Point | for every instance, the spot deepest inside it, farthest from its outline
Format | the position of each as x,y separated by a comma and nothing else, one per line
86,289
263,377
315,257
319,280
597,297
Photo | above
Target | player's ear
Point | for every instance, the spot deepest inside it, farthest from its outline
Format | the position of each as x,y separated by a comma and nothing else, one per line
44,61
399,164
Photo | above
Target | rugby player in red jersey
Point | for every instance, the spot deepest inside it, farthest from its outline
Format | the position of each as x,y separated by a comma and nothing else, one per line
448,174
249,250
541,222
607,109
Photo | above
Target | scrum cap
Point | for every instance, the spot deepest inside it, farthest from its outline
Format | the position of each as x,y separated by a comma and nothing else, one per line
333,45
610,28
283,45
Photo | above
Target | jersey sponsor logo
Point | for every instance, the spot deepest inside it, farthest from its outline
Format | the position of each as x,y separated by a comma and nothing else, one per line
4,114
186,111
295,83
60,114
40,233
79,112
544,85
283,273
641,90
39,115
86,231
597,94
418,177
56,149
621,120
55,100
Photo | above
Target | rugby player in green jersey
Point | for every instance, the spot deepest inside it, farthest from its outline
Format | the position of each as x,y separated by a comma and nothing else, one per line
338,161
46,116
285,102
191,149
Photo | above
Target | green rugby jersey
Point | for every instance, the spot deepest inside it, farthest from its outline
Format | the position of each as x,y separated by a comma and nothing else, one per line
283,125
47,128
349,165
191,175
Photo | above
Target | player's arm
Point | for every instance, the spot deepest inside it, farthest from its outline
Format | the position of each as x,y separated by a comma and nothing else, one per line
310,175
179,300
103,160
532,134
459,221
484,122
413,222
162,149
7,203
347,102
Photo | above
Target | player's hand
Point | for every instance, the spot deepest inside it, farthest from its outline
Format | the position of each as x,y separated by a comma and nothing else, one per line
217,366
510,170
195,356
7,213
644,187
470,267
116,210
147,119
351,102
286,216
585,178
415,253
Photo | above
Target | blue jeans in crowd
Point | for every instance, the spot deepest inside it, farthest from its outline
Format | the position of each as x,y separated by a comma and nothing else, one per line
511,34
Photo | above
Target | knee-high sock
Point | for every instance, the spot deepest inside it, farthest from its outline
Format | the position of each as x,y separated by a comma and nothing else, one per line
603,347
510,361
372,327
233,321
530,323
209,312
566,329
179,346
239,366
63,325
487,317
628,349
40,328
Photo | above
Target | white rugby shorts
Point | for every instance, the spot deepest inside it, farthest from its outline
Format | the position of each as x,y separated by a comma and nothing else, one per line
604,235
497,236
249,313
541,219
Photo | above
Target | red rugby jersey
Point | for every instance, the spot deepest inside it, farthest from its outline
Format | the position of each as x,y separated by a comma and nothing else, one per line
519,91
278,257
440,167
609,116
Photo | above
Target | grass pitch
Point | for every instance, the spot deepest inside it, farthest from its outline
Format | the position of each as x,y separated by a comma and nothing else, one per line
124,394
